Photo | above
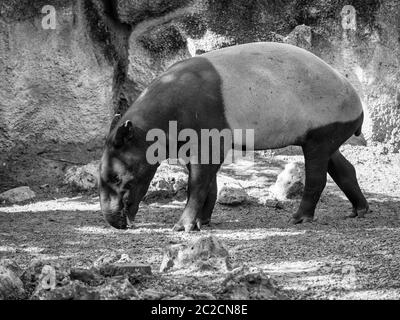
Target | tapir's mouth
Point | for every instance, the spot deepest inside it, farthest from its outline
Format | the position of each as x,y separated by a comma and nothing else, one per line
117,220
123,219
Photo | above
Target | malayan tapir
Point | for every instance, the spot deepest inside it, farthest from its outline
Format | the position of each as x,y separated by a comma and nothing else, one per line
286,94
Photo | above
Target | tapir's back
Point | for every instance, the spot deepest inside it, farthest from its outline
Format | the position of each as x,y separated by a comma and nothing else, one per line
281,91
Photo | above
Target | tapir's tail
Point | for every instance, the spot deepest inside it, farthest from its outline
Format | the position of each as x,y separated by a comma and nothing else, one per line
359,130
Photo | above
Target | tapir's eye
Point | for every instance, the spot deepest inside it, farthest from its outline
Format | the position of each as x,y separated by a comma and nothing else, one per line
115,179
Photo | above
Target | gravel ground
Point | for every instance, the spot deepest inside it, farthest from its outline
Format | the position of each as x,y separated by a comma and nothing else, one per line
333,258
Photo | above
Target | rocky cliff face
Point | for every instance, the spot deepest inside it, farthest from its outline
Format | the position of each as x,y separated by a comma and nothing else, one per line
61,87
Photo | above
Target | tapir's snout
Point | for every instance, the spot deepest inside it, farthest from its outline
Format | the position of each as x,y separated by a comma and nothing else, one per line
119,214
117,220
112,210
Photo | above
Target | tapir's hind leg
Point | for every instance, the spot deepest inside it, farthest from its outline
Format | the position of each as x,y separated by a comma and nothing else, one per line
316,165
201,180
344,174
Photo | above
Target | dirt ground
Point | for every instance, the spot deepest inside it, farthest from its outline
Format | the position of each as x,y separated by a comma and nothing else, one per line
332,258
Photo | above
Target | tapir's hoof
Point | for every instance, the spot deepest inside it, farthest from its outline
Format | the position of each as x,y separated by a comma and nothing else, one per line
187,227
359,213
302,219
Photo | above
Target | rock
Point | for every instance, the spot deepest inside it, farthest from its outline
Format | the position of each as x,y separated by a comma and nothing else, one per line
301,36
180,297
203,296
11,286
13,266
151,294
118,289
30,276
63,81
170,181
118,269
74,290
125,258
290,182
44,276
47,279
204,254
115,264
232,195
16,195
88,276
83,177
106,259
242,285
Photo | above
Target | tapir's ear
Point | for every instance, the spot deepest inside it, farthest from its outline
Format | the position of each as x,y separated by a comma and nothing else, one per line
127,133
124,134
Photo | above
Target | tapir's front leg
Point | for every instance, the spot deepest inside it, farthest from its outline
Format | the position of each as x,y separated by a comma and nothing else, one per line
201,179
210,203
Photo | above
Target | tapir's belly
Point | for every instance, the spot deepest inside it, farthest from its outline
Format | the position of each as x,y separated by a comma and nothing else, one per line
281,92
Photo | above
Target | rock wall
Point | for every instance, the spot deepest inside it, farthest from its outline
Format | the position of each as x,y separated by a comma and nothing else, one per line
61,87
55,86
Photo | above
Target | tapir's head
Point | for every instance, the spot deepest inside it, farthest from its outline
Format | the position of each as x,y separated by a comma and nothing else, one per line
125,174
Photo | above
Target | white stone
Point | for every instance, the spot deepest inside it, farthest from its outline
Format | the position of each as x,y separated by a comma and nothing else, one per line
83,177
290,182
203,254
232,194
17,195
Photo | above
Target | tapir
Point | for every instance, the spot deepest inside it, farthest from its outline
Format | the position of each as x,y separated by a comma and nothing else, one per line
286,94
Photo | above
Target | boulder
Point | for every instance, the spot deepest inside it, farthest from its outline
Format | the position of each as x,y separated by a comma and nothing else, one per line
290,182
11,286
170,181
244,285
203,296
16,195
301,36
74,290
114,264
151,294
119,269
83,177
43,276
47,278
13,266
203,254
51,277
107,258
90,277
30,276
118,289
232,195
180,297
